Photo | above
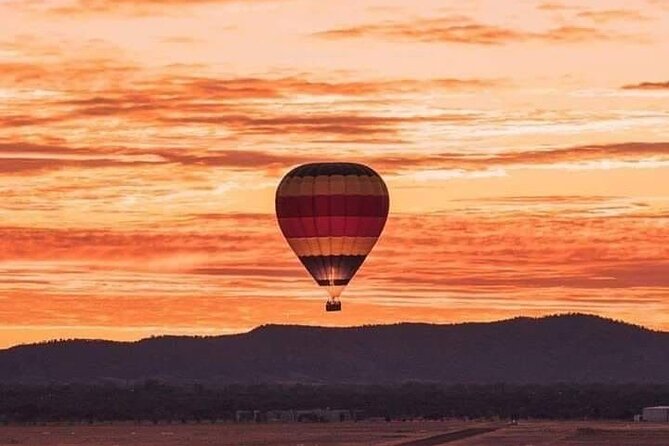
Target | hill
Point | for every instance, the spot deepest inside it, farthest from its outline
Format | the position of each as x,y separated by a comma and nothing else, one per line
567,348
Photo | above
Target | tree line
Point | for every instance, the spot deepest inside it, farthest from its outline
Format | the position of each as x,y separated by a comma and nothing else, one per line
158,402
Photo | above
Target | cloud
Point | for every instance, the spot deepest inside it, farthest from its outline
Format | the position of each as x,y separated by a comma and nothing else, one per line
647,86
602,16
179,88
464,264
611,15
577,34
290,105
66,75
26,158
22,166
124,81
574,206
158,248
14,121
468,31
553,6
137,7
662,4
623,152
640,274
541,199
84,94
477,251
224,101
248,159
264,87
340,124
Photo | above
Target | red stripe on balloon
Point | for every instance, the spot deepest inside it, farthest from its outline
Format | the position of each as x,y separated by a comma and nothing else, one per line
349,226
332,206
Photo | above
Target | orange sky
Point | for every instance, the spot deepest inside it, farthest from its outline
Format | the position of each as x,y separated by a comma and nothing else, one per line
525,146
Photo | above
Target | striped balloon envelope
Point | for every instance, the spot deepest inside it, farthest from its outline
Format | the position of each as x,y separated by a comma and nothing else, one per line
332,214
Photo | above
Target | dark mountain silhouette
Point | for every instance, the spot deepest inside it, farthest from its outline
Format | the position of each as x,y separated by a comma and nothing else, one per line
568,348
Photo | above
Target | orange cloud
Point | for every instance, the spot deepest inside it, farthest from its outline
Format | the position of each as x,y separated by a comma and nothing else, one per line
23,158
475,266
466,30
243,106
619,152
26,158
647,86
475,249
259,87
65,74
610,15
552,6
309,124
52,68
587,199
136,8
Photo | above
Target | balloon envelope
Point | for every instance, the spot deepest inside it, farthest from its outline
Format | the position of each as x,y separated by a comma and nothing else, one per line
332,215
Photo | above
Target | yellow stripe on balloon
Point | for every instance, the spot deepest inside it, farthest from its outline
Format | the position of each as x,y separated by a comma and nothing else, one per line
332,246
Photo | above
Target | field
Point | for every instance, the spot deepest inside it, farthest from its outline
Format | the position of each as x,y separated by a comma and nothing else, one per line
456,433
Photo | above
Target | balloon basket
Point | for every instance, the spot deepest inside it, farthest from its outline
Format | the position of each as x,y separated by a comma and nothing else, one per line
333,305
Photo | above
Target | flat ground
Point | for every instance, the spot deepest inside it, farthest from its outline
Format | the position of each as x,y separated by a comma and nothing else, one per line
453,433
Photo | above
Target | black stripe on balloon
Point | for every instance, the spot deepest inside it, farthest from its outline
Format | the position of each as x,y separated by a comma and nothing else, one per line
343,267
316,169
336,282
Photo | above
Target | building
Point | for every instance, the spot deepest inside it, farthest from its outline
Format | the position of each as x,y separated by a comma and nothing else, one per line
287,416
279,416
656,414
323,415
246,416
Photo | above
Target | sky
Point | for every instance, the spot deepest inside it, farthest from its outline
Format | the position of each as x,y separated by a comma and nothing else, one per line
525,146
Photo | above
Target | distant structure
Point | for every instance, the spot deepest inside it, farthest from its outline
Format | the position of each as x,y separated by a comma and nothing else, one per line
246,416
287,416
656,414
320,415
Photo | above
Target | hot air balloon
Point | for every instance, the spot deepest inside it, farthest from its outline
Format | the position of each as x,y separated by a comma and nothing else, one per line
332,214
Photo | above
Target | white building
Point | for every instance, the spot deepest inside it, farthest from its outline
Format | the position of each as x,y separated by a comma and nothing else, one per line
657,413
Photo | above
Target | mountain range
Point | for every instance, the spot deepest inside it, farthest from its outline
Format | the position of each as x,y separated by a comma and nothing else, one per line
573,348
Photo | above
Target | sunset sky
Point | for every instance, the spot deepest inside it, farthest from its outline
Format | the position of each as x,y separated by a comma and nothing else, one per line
525,146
